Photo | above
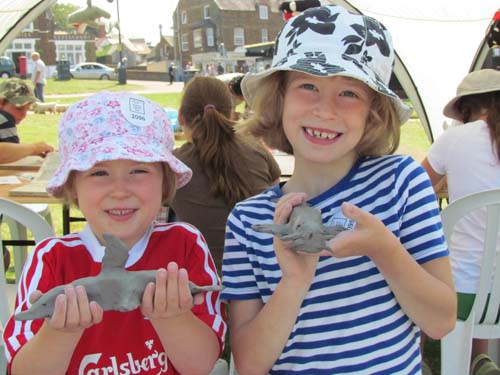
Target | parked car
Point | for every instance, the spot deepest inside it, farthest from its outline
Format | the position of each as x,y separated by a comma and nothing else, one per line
92,70
7,67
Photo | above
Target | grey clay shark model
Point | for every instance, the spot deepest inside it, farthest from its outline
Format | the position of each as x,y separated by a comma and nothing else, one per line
304,231
113,289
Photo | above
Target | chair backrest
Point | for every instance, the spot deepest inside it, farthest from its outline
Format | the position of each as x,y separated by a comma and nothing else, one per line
40,230
36,225
485,312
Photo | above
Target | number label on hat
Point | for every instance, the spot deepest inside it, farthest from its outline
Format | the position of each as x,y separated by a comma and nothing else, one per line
137,111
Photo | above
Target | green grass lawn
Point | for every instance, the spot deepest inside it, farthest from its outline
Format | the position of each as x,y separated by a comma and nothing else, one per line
38,127
73,86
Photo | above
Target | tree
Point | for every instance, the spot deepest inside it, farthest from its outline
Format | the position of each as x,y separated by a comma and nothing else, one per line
61,12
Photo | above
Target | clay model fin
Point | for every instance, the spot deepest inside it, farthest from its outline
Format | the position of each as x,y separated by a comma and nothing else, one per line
116,253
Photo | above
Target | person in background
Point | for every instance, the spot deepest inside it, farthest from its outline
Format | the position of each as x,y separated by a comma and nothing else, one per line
468,156
359,306
117,167
38,76
171,73
227,167
16,98
238,98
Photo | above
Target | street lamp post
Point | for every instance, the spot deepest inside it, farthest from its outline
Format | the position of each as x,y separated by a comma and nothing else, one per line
122,72
120,47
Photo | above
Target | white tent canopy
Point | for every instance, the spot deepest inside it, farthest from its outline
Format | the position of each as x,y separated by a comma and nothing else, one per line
15,15
436,42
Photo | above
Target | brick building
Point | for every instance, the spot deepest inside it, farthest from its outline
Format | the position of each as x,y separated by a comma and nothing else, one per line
52,45
214,29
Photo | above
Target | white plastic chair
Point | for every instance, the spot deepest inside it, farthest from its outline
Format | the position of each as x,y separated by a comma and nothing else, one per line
40,230
483,322
18,232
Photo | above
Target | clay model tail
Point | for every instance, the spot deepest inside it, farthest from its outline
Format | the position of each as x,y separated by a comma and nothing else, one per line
204,288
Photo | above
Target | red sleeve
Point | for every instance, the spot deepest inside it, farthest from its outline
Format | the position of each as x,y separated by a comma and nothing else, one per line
37,275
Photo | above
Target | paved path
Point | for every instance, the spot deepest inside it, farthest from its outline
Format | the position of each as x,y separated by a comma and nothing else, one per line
147,87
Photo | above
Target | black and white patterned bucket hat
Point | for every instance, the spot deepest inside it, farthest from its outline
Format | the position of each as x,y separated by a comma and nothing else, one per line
330,41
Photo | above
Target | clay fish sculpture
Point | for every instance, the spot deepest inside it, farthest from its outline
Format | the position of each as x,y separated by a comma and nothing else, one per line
113,289
88,17
304,231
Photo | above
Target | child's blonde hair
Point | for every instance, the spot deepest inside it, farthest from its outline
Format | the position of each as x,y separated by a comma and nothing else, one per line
382,129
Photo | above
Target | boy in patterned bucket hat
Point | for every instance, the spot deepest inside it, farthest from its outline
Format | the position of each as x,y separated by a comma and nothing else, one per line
117,167
359,305
17,92
16,98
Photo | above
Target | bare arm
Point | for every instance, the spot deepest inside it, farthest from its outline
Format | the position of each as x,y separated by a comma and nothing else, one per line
11,152
433,175
189,343
253,323
49,352
37,75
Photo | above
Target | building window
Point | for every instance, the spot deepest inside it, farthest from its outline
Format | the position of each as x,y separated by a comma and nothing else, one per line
263,12
264,37
28,27
73,51
206,11
197,42
21,49
184,42
239,36
210,37
184,17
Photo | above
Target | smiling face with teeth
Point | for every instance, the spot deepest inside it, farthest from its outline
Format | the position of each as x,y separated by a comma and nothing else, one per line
119,197
324,118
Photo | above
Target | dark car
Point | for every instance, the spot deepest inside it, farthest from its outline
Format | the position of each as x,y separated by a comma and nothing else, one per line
7,67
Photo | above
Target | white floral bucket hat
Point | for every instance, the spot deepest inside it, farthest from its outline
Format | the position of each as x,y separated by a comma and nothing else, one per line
330,41
112,126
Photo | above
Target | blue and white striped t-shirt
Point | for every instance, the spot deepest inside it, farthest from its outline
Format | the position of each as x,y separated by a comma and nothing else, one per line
350,321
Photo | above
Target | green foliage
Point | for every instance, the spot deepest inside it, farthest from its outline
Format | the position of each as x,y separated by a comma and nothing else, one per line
61,12
103,51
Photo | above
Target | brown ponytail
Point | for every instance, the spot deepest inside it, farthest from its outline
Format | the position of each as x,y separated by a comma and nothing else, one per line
206,108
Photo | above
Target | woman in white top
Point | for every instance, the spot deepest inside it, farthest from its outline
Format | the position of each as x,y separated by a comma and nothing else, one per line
468,155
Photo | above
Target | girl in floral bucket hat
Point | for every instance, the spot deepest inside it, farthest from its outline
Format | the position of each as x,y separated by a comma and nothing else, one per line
117,167
358,306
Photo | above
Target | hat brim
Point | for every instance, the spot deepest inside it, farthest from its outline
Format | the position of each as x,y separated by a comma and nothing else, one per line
75,163
20,101
450,109
251,83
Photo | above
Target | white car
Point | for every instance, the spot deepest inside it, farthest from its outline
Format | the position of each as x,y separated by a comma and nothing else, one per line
92,70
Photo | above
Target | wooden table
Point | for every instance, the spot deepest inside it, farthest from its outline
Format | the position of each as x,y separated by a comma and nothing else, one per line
285,161
34,191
